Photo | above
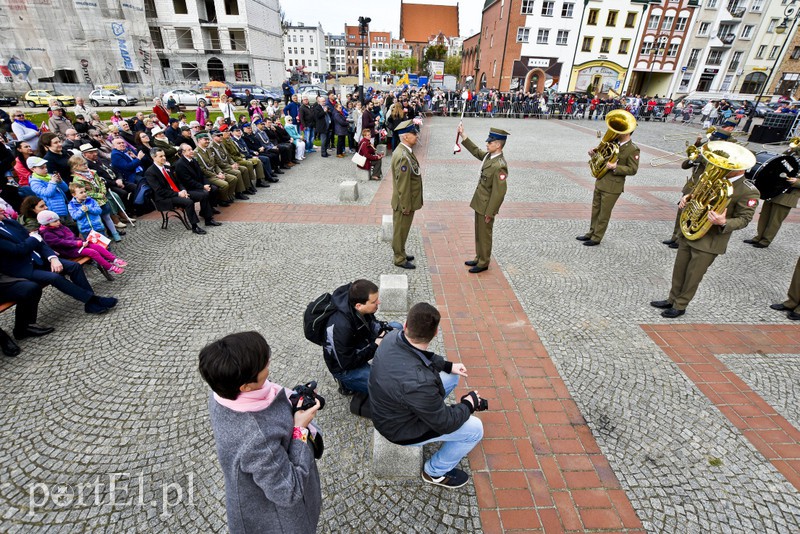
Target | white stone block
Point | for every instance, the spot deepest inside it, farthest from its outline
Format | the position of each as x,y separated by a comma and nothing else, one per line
387,228
348,191
394,292
391,461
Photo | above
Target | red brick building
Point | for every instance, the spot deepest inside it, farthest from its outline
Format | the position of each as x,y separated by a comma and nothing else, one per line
470,60
497,45
421,23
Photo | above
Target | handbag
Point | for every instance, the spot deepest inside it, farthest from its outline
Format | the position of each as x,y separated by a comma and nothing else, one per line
359,160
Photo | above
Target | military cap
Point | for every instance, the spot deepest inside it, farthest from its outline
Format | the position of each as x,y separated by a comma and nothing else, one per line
234,128
201,136
215,133
406,127
496,134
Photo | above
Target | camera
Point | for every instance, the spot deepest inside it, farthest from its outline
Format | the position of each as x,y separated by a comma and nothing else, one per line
483,405
384,328
304,397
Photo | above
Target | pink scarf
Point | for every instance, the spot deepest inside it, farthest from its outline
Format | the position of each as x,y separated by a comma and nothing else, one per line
254,401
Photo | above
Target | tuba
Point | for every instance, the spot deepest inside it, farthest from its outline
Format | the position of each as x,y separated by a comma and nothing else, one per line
619,122
713,191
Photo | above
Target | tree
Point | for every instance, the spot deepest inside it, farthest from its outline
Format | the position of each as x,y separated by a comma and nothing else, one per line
452,65
396,63
433,53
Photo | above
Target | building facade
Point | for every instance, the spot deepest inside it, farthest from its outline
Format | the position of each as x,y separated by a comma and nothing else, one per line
421,23
764,52
354,45
787,77
335,50
304,48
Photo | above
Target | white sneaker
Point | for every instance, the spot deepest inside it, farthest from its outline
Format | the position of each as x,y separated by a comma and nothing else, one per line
121,225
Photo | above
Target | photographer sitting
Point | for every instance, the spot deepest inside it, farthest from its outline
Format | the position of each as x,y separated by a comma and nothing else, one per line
352,335
407,388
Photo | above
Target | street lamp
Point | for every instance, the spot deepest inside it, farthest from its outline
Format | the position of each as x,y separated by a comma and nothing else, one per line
790,15
363,30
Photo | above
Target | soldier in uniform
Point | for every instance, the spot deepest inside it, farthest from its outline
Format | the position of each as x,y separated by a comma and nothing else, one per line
608,189
698,166
229,166
695,257
792,302
406,191
254,166
773,212
226,183
488,195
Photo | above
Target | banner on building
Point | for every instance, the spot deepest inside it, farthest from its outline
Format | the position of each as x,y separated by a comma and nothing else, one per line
121,39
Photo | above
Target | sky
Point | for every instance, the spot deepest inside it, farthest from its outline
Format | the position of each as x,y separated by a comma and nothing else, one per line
385,14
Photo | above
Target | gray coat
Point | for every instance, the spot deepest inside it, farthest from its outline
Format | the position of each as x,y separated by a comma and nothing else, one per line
271,480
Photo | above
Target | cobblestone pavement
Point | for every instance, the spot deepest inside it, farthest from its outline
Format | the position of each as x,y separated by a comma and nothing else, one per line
118,396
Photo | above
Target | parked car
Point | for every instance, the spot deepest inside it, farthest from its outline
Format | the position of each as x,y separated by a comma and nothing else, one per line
190,97
107,97
8,101
311,91
257,92
42,97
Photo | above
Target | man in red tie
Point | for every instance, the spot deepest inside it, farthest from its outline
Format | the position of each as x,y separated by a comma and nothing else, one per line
170,193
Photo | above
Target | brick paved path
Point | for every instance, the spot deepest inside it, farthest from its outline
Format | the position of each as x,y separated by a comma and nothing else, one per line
604,417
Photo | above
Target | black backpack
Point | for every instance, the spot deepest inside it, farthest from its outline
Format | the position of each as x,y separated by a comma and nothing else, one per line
315,319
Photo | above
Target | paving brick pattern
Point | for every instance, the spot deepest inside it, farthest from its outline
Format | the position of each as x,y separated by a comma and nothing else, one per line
602,415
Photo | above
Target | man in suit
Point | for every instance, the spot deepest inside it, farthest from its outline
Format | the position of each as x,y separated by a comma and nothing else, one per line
488,195
608,189
792,302
191,176
695,257
773,212
261,143
125,163
26,256
286,150
406,191
170,193
228,184
26,294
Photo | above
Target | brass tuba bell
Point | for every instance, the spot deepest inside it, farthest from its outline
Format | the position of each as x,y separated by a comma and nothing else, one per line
619,122
713,190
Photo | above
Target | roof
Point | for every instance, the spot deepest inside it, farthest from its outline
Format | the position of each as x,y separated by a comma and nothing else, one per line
418,22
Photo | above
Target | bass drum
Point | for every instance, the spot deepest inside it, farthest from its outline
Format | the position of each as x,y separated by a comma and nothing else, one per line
766,173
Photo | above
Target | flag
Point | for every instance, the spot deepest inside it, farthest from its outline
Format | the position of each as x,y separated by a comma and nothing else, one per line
43,128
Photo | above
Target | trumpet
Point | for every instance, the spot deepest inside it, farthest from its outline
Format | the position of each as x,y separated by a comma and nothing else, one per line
676,137
794,142
690,153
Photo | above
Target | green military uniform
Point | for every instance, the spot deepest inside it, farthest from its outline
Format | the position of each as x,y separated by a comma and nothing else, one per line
486,201
406,197
225,163
773,212
695,257
208,165
254,165
792,303
169,150
608,189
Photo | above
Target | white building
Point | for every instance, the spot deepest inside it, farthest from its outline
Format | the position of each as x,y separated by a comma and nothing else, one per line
305,47
335,50
764,50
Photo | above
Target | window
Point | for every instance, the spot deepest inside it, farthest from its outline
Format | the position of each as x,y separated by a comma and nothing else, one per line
726,83
773,53
666,24
523,34
796,52
647,47
672,50
630,20
311,51
241,72
694,55
542,36
758,6
747,31
69,76
238,41
291,63
735,59
761,50
652,23
180,7
680,24
702,30
294,38
562,37
189,71
587,44
611,20
547,9
310,38
184,37
127,76
592,20
714,57
605,45
711,4
231,7
150,9
155,36
527,7
772,24
303,51
753,83
624,45
567,9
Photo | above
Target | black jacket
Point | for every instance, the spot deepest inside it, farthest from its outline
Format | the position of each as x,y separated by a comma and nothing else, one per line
190,174
162,192
349,336
307,116
321,118
406,393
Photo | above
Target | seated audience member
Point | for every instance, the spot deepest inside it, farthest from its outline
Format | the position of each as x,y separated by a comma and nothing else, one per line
189,173
26,294
264,443
237,136
258,142
353,335
127,163
71,141
126,132
58,123
114,184
186,137
297,139
22,152
228,184
96,189
251,167
85,211
169,193
374,160
27,256
228,166
65,244
56,157
172,132
286,151
50,188
407,389
161,141
30,208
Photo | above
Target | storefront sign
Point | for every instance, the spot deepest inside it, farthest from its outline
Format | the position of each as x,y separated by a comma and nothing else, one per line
538,62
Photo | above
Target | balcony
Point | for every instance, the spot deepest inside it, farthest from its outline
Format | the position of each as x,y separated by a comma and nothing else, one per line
722,40
735,9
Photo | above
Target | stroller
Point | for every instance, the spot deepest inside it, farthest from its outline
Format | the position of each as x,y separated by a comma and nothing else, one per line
658,114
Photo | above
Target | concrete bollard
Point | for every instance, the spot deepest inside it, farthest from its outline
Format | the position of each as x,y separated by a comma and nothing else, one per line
390,461
387,228
348,191
394,292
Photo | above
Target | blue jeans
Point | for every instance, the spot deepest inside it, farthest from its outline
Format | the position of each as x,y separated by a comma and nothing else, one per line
358,379
457,444
309,136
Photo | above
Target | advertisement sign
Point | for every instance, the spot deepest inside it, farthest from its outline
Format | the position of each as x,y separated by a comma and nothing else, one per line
538,62
436,69
126,53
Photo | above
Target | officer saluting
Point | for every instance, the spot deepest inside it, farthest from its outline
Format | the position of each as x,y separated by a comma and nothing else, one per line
488,195
406,191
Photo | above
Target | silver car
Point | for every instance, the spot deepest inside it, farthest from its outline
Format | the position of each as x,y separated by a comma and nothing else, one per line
110,97
184,97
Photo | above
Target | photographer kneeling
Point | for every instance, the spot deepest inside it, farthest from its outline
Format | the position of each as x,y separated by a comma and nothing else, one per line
407,388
